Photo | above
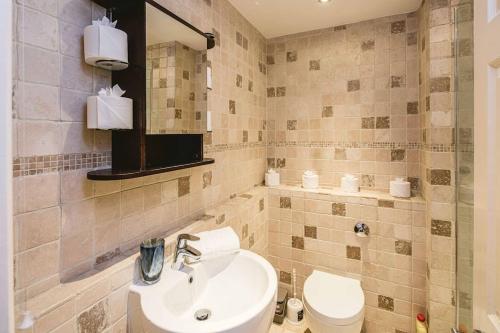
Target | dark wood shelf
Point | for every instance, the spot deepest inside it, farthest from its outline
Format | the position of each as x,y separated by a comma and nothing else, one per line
110,174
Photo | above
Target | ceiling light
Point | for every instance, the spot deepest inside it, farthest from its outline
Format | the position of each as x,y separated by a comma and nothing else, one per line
324,1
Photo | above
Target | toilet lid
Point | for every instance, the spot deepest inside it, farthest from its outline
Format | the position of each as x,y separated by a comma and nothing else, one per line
334,299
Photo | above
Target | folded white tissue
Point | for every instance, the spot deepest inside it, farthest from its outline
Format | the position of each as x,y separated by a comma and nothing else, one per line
216,243
109,110
272,178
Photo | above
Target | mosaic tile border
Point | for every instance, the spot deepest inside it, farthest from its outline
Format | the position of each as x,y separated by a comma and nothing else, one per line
34,165
375,145
210,149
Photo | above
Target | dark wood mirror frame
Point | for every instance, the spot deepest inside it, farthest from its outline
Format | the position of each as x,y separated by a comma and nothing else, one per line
135,154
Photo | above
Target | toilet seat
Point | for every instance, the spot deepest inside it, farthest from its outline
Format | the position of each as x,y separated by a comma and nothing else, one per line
334,299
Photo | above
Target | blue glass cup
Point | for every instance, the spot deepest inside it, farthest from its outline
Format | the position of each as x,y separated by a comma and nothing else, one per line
151,259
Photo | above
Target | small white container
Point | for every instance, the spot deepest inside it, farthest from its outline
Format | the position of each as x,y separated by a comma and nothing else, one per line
272,178
400,188
310,180
109,112
105,47
349,184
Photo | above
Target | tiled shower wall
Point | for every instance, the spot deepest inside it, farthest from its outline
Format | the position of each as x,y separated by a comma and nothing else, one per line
437,93
66,224
345,99
314,230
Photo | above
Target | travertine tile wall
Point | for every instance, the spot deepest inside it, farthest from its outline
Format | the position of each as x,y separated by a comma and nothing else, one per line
345,99
314,230
66,225
97,302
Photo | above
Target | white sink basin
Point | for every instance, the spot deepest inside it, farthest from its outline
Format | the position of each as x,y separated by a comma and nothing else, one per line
239,290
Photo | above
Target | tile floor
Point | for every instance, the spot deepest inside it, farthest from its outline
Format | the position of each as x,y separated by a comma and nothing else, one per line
289,328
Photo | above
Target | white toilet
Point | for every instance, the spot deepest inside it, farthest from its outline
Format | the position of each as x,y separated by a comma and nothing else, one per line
333,304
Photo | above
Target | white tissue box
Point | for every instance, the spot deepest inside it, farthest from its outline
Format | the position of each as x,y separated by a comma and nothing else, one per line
109,112
105,47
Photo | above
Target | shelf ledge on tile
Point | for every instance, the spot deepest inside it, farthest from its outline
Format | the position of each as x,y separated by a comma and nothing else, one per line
110,174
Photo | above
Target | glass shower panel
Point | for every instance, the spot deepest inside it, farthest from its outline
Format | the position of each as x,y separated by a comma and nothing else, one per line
464,139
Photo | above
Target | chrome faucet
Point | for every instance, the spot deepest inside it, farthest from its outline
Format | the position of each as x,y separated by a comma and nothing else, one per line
183,251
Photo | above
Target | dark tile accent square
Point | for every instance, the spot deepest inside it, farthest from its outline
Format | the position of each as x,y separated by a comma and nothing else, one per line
220,219
291,56
291,125
398,27
232,107
338,209
239,81
260,134
163,83
427,103
386,203
245,43
340,28
403,247
207,179
435,4
250,86
310,231
412,108
285,277
178,114
368,180
353,85
245,136
244,231
280,91
368,123
281,162
440,84
398,155
183,186
314,65
170,103
383,122
251,240
440,177
414,183
261,205
368,45
298,242
340,154
327,111
353,252
197,115
155,63
386,303
411,38
239,38
441,228
397,82
185,75
95,319
270,60
271,163
285,202
271,92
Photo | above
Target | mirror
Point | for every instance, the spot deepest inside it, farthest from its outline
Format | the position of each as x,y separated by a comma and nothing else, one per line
176,75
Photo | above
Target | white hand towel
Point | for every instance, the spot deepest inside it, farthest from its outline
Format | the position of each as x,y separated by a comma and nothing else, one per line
216,243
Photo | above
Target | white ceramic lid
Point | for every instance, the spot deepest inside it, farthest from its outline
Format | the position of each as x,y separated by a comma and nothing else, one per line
334,299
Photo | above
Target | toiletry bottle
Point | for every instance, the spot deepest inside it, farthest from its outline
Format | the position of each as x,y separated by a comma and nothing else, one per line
421,325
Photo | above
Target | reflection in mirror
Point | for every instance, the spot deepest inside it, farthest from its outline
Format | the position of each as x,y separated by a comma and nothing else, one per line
176,76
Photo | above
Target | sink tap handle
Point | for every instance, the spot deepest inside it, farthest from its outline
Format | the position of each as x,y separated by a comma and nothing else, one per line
183,238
